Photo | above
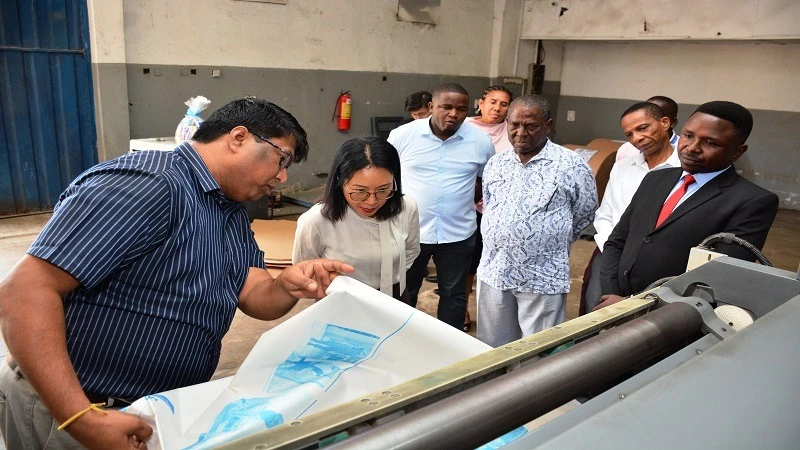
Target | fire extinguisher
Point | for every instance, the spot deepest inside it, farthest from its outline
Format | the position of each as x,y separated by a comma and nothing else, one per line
343,110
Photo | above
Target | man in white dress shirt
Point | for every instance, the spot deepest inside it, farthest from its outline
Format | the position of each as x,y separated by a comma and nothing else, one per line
670,110
647,128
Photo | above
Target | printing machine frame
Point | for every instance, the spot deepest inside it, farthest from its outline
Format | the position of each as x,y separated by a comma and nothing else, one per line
659,370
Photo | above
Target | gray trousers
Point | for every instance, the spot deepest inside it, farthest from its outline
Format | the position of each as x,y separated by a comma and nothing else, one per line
24,420
507,315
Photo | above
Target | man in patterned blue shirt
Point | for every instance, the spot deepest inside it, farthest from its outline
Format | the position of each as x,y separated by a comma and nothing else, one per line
133,282
536,201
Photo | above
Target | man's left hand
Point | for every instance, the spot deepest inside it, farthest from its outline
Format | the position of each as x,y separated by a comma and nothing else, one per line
608,299
310,279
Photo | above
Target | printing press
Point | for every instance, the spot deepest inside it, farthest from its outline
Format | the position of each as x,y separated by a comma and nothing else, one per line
708,359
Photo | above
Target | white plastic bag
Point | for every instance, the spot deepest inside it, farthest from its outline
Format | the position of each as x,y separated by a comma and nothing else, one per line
191,121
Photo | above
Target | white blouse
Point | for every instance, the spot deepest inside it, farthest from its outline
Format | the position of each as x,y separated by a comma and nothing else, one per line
380,251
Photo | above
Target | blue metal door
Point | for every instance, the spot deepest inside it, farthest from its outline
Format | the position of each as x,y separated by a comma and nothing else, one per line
47,130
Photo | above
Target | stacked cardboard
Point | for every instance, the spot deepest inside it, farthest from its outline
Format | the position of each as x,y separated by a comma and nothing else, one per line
276,239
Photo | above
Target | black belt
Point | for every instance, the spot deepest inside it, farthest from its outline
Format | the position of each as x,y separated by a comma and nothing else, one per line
111,402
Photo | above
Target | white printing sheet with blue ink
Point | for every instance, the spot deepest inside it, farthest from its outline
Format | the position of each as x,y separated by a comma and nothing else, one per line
328,353
354,342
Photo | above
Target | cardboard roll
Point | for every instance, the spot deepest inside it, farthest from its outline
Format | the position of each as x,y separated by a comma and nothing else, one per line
736,317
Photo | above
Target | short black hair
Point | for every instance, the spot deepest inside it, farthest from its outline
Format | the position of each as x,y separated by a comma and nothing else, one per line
450,87
650,109
418,100
356,154
734,113
260,116
672,106
533,101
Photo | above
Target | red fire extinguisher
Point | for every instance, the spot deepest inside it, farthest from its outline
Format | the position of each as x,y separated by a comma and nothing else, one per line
344,106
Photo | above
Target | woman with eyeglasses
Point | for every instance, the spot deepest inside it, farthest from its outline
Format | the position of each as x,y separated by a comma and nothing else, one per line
363,218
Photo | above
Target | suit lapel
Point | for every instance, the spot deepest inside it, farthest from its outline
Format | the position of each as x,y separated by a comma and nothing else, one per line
704,194
659,196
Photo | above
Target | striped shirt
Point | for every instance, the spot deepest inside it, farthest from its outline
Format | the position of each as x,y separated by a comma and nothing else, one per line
161,256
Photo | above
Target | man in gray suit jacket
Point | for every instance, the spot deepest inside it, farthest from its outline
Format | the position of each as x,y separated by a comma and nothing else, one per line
675,209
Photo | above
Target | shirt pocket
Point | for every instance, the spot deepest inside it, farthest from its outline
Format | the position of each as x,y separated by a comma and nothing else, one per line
538,199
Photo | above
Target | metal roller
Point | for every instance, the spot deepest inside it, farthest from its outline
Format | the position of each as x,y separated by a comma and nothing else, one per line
482,413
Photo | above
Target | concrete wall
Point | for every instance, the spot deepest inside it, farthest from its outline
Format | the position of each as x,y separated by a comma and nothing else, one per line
300,55
759,75
350,35
692,51
600,80
658,19
156,101
107,44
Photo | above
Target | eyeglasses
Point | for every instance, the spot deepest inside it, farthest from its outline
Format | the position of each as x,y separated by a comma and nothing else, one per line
286,157
380,194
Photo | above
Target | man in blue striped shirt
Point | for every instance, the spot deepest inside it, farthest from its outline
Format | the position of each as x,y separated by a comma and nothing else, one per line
132,284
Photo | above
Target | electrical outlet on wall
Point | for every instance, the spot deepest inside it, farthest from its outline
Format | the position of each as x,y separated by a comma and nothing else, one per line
570,116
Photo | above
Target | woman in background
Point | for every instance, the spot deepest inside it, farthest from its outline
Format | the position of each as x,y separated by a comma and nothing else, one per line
493,108
363,217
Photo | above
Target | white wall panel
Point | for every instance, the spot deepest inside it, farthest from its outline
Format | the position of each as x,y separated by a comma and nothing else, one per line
106,31
354,35
659,19
755,74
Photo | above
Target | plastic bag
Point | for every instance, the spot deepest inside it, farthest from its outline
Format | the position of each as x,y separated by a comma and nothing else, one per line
191,121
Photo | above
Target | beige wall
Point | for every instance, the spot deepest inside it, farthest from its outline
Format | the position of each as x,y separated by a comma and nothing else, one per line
352,35
106,31
664,19
107,43
759,75
323,36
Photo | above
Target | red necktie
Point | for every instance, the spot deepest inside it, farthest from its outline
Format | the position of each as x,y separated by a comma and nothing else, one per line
673,199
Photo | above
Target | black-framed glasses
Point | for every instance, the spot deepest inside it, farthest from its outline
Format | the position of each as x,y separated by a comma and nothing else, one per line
286,157
381,194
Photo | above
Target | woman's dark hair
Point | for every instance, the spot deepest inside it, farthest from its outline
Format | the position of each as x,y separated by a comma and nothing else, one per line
495,88
356,154
498,88
259,116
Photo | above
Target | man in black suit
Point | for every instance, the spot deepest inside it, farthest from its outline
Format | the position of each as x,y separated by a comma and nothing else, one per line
675,209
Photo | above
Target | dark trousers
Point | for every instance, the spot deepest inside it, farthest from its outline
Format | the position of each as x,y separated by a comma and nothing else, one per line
591,290
452,262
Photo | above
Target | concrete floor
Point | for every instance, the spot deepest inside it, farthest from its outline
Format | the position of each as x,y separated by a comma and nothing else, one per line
17,233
